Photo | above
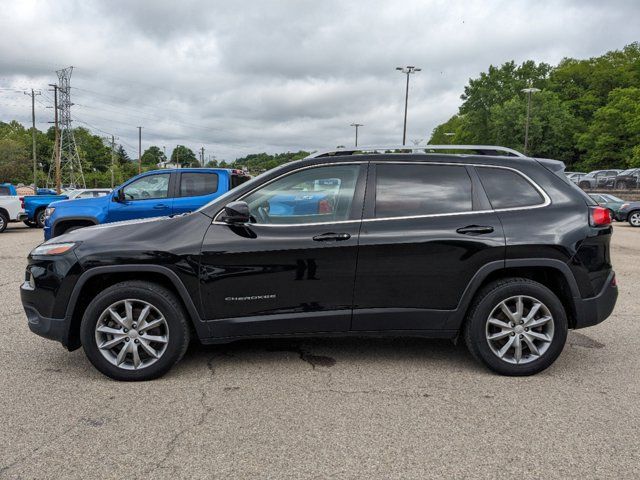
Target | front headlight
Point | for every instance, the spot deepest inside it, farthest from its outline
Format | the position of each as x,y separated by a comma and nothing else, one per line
53,248
49,211
623,206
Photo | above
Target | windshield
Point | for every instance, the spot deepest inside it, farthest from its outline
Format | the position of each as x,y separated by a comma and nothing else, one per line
631,171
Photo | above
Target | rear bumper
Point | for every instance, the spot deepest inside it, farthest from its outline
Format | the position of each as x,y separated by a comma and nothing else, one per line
22,216
591,311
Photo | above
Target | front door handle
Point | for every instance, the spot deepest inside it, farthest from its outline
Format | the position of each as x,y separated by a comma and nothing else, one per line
332,237
160,206
475,230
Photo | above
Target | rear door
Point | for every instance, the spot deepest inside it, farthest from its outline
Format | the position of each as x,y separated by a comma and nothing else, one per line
194,189
428,228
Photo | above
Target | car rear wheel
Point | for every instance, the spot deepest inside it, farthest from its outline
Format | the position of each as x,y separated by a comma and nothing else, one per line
634,218
516,327
584,185
621,185
134,330
4,220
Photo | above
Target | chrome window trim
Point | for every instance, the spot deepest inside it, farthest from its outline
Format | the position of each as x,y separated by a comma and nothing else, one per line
545,203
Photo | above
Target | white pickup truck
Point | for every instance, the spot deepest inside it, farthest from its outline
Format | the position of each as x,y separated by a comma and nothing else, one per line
11,210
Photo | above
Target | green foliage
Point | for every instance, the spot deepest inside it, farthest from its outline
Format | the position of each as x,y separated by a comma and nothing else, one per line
259,162
152,156
587,113
184,157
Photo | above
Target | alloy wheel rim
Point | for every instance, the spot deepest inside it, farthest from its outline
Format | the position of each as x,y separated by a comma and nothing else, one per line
635,219
519,329
1,222
132,334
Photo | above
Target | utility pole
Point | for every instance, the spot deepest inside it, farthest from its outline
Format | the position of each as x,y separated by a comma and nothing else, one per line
113,159
357,125
202,157
139,150
56,144
408,70
33,138
528,91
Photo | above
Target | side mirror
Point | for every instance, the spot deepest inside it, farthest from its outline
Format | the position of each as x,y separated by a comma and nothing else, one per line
119,196
236,212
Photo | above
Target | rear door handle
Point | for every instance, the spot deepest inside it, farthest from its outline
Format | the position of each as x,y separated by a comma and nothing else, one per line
332,237
475,230
160,206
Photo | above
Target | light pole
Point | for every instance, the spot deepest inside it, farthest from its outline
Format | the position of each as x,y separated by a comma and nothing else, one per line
408,70
529,90
357,125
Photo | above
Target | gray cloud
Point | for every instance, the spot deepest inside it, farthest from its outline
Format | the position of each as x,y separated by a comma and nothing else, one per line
241,77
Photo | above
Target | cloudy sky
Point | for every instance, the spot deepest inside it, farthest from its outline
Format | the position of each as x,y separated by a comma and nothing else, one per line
249,76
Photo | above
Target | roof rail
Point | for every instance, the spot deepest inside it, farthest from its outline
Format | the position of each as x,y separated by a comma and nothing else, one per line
474,149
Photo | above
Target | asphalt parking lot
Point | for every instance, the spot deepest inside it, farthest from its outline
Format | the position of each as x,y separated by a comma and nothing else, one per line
323,408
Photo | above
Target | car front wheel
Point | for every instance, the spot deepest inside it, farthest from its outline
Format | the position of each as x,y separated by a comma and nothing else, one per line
516,327
40,219
4,220
134,330
634,218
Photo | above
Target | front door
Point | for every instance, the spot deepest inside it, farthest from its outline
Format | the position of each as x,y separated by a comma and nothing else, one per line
292,269
425,233
144,197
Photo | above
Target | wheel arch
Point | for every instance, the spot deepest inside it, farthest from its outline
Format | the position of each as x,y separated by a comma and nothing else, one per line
97,279
553,274
72,221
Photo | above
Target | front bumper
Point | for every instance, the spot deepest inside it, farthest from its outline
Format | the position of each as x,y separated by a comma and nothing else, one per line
591,311
51,328
621,216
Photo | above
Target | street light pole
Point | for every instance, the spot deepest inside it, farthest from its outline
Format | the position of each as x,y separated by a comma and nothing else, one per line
408,70
528,91
357,125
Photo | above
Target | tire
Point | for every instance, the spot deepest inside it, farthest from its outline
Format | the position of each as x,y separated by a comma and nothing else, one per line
30,223
40,218
4,221
634,218
621,186
163,304
478,328
584,185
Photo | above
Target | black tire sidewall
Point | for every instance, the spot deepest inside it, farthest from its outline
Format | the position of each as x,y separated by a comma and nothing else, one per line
40,219
4,221
176,322
494,297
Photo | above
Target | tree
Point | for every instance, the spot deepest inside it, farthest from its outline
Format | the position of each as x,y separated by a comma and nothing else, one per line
153,155
184,157
122,157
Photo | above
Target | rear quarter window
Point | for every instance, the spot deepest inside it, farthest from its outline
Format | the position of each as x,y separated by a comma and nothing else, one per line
508,189
4,191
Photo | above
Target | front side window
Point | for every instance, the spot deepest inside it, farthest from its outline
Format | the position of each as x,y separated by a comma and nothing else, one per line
508,189
408,190
314,195
146,188
194,184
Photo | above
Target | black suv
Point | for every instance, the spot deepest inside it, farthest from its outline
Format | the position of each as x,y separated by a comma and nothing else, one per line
488,245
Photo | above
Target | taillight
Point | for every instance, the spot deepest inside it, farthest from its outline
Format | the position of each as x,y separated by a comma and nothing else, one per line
22,203
324,206
600,216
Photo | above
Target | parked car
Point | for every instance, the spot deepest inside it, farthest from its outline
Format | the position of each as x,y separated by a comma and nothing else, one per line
152,194
575,176
606,200
88,193
11,210
35,207
627,179
6,189
430,245
598,178
629,212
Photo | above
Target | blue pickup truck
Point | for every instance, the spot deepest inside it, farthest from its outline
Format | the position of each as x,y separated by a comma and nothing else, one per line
151,194
33,205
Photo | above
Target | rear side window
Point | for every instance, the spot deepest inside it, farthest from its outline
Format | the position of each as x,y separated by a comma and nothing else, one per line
194,184
406,190
508,189
4,191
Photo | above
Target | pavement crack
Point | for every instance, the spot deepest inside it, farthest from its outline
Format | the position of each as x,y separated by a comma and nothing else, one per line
308,357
